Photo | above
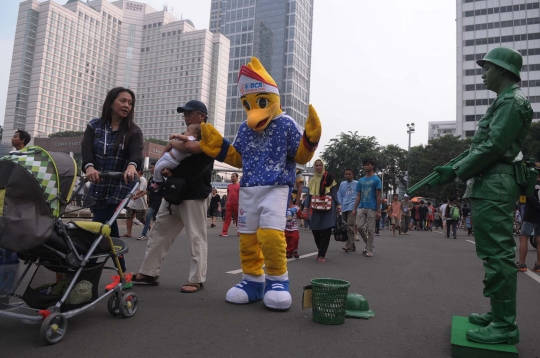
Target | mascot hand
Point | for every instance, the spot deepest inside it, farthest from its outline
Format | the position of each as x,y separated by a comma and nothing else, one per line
313,126
211,141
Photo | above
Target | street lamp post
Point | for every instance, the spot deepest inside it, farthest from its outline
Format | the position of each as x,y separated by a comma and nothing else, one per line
410,130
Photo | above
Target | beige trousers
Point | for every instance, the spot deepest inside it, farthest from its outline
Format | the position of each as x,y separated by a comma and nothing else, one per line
190,214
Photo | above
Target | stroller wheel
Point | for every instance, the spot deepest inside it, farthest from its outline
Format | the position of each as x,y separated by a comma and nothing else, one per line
129,304
112,305
53,328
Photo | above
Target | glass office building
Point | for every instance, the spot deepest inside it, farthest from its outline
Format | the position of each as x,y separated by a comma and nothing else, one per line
277,32
481,26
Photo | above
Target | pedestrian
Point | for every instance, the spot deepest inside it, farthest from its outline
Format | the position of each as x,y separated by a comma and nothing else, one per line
154,201
215,206
196,170
223,205
346,196
406,210
530,226
368,202
465,211
453,213
137,206
437,218
302,201
112,143
422,215
430,216
415,214
442,210
395,214
298,186
489,169
384,213
292,236
231,210
322,198
20,139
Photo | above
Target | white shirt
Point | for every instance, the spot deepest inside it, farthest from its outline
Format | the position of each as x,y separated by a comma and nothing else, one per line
140,203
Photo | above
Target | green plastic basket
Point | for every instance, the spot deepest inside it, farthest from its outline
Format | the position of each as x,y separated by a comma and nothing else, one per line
329,299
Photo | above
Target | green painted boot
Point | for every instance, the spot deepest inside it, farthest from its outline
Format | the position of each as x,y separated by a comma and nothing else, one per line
481,319
503,328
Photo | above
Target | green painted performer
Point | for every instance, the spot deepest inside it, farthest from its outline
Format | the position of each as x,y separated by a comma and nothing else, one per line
493,191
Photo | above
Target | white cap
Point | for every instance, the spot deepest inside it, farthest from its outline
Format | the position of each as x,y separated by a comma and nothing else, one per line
406,196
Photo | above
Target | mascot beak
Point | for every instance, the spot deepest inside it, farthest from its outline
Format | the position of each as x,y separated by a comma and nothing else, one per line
259,118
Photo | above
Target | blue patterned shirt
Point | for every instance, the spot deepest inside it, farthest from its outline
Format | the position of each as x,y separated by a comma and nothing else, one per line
268,156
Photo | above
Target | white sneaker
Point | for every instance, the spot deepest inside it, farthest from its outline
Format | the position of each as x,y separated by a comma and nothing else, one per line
137,222
142,237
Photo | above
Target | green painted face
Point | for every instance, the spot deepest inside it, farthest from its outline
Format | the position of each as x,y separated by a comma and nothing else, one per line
492,76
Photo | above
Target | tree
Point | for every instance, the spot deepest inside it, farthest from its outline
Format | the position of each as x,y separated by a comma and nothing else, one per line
531,146
157,141
392,162
437,152
66,134
347,152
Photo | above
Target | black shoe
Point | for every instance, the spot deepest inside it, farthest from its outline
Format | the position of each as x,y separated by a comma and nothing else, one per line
212,225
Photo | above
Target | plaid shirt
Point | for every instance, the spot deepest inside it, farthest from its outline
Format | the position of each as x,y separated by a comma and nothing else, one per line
98,150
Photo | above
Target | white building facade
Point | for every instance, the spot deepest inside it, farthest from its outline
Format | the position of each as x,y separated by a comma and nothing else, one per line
481,26
67,57
440,129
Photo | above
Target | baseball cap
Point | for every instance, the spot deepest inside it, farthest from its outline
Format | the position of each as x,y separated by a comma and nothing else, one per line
405,195
193,105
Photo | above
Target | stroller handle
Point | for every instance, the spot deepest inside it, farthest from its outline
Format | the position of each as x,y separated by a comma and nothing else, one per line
117,175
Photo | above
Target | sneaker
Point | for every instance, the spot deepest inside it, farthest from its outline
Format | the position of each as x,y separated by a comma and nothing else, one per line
142,237
295,254
224,234
365,251
454,237
116,281
536,268
321,259
137,222
212,225
368,254
288,254
521,267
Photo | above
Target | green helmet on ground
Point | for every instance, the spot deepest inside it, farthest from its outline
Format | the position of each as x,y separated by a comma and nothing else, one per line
504,57
358,307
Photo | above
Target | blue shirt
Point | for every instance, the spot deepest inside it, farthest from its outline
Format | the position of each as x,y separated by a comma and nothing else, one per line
268,156
347,195
368,187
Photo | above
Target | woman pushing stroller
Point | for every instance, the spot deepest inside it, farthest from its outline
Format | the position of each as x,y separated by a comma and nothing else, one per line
112,143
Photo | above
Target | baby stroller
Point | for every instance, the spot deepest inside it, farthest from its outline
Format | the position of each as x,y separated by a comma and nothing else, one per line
63,262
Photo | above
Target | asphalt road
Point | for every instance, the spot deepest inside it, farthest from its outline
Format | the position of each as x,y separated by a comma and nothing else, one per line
415,284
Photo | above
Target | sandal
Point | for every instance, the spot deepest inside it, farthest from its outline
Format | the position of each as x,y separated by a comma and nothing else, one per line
198,285
126,235
146,280
536,267
521,267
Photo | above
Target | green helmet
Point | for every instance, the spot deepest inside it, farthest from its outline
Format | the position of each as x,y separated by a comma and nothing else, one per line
504,57
358,307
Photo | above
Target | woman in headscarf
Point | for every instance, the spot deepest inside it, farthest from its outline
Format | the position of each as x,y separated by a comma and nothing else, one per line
324,212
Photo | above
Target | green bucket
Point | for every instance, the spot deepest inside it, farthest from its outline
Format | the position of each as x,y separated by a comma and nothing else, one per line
329,299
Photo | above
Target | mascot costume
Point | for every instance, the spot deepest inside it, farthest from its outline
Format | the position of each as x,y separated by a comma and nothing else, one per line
266,147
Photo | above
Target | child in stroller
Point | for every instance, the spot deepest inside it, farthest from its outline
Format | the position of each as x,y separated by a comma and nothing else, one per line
37,186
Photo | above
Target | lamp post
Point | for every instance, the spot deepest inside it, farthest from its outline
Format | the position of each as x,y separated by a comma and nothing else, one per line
410,130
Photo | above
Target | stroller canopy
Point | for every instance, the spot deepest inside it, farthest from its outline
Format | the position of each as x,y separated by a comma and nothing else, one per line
35,186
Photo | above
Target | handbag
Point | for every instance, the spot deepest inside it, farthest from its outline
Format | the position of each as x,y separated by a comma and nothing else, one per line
321,202
174,188
340,229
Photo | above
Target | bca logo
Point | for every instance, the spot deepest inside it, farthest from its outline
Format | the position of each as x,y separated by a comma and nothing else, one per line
252,86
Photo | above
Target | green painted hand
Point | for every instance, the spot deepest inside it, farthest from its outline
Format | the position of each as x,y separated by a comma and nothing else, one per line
447,174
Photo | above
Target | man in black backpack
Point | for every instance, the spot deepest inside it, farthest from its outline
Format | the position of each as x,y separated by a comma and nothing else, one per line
452,214
190,213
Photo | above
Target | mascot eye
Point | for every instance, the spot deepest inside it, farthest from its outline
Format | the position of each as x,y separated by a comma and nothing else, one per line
262,102
246,104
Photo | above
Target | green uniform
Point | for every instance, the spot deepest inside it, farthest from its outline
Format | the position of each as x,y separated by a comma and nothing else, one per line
493,191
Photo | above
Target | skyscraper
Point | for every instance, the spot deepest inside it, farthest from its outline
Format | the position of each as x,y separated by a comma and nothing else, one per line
481,26
279,33
67,57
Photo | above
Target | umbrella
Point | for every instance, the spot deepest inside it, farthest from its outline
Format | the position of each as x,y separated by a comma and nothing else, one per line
417,199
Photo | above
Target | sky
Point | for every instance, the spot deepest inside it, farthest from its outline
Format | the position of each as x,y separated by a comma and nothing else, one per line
376,65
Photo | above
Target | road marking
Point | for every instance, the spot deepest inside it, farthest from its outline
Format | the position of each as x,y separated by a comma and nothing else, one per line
234,272
529,273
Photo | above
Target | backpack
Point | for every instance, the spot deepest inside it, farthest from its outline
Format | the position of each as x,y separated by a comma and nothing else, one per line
454,212
174,190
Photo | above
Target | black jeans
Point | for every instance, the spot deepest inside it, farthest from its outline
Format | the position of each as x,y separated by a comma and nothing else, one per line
454,227
322,240
103,215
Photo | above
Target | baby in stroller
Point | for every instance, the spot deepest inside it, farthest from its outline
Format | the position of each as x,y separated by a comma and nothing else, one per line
63,261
